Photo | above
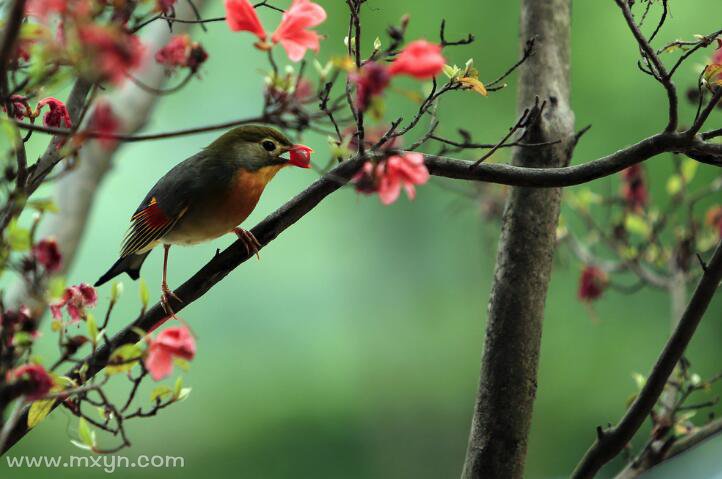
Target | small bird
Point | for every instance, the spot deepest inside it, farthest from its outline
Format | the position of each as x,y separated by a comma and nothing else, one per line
206,196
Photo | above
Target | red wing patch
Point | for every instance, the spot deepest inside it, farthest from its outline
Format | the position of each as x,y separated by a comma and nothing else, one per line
152,216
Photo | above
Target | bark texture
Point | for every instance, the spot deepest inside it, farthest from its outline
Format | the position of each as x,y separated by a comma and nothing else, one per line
502,414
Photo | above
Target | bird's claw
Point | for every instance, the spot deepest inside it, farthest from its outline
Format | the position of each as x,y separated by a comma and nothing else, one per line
165,297
249,241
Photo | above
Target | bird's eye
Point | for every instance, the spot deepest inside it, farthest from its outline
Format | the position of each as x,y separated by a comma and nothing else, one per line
268,145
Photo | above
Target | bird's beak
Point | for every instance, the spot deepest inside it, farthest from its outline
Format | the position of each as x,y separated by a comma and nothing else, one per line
300,155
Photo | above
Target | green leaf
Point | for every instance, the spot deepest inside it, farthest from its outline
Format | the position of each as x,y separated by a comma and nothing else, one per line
123,355
689,169
183,394
143,291
178,387
56,287
674,185
38,411
159,392
116,290
18,238
639,380
86,434
182,363
92,328
80,445
635,224
43,205
22,338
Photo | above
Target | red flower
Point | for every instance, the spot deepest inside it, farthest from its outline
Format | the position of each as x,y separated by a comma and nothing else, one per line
20,107
634,189
390,175
114,52
165,6
371,80
75,299
241,16
293,32
181,52
420,59
57,116
105,124
46,253
174,341
42,8
592,283
714,218
38,379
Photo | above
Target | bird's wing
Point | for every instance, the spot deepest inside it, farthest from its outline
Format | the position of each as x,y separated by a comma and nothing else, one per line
149,224
164,205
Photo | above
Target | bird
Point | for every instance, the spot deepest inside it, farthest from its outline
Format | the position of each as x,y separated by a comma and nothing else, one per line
206,196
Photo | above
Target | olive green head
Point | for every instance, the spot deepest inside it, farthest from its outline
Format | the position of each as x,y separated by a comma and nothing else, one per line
256,146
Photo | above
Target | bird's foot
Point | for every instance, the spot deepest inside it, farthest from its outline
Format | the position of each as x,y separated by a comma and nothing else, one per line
249,241
165,298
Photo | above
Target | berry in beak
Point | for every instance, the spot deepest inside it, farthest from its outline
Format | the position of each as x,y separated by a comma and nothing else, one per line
300,155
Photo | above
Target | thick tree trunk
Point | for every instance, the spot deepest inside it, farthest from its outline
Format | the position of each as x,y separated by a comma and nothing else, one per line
502,414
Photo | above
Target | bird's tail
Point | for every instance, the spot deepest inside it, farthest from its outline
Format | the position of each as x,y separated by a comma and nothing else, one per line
127,264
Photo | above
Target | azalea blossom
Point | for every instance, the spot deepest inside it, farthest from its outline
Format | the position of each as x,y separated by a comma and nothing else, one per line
714,218
47,253
75,299
390,175
241,16
371,80
420,59
293,33
57,114
114,52
634,189
181,51
592,283
105,124
176,341
39,381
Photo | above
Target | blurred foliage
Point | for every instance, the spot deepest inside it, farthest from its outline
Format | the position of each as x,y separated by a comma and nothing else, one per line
352,348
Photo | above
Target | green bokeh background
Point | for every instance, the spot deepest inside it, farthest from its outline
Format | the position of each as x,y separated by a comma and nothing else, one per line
352,348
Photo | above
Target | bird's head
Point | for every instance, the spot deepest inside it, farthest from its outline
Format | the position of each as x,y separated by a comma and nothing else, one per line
258,146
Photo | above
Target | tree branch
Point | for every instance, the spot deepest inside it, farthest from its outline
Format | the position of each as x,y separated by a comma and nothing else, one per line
610,442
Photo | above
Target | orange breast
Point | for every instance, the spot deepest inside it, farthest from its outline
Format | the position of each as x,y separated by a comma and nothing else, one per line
226,210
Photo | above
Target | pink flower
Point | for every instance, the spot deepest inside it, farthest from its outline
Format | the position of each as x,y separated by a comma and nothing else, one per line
241,16
714,218
171,342
717,55
293,34
390,175
634,189
371,80
114,52
39,381
592,283
420,59
57,115
105,124
46,253
75,299
181,52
